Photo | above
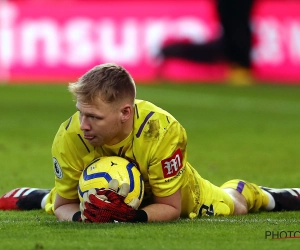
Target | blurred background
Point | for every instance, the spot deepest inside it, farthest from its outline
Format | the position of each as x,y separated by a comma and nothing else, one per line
233,132
51,41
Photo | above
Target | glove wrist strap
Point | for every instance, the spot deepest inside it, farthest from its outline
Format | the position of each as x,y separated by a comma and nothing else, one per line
77,217
142,216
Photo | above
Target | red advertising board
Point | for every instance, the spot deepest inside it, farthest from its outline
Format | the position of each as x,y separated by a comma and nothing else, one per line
276,52
57,41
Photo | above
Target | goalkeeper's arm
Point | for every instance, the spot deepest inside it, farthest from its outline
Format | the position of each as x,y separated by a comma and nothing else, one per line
65,209
164,208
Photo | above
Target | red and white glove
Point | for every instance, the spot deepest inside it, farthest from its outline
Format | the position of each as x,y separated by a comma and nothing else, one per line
107,205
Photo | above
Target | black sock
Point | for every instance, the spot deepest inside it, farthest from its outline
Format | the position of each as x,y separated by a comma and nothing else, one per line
32,200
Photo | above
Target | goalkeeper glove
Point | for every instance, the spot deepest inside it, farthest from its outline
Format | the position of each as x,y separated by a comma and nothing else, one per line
107,205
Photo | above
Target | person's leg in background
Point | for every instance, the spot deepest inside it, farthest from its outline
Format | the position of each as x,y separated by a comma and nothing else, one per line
237,38
233,46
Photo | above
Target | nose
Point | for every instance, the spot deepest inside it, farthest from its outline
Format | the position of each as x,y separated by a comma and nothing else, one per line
84,125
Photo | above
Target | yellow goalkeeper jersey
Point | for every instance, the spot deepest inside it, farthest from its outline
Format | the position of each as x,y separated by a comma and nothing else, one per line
157,144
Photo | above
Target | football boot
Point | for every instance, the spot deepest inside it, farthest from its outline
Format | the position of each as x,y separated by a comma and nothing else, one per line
23,199
287,199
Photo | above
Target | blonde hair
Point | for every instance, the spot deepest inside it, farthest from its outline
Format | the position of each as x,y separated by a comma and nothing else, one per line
110,82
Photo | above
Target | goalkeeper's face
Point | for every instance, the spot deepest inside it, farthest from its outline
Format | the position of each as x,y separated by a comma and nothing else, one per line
105,123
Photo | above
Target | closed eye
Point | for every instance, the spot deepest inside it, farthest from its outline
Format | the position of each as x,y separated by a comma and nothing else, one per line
95,117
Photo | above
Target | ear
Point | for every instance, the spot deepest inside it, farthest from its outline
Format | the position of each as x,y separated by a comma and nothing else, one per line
126,112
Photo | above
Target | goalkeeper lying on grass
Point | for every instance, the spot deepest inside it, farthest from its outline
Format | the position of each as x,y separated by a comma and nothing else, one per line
111,122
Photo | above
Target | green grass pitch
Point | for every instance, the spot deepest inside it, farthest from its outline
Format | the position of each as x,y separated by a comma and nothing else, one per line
234,132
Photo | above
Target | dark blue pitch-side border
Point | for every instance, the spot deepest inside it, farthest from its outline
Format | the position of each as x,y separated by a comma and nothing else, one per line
108,178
